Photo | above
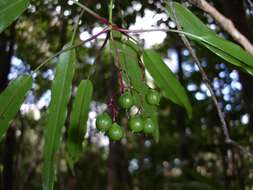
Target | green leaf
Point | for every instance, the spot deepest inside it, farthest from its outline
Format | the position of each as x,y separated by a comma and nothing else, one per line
128,58
228,58
189,21
11,99
166,80
61,90
196,30
233,50
10,10
78,121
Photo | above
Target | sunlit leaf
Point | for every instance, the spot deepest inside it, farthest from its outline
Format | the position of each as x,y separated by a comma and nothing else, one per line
10,10
78,121
199,32
61,90
166,80
11,99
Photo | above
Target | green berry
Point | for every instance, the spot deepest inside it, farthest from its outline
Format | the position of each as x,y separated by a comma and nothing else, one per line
126,100
153,97
136,124
149,126
116,132
103,122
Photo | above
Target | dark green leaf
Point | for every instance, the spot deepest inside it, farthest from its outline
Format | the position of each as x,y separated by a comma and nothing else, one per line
230,49
78,121
196,30
228,58
61,90
11,99
10,10
166,80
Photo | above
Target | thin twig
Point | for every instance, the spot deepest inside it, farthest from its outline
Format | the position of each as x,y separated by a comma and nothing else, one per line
125,31
224,126
241,148
93,69
71,47
91,12
76,27
250,3
110,10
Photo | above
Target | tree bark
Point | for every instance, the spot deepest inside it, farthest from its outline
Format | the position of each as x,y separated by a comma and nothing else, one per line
118,175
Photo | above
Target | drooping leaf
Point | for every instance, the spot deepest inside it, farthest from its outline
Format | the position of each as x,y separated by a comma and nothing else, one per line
196,30
10,10
228,58
128,58
78,121
11,99
229,48
166,80
61,90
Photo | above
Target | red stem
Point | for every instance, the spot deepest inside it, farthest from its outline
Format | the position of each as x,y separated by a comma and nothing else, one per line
120,78
112,107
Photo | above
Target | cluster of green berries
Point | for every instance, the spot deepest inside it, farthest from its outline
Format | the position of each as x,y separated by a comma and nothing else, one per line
104,124
136,123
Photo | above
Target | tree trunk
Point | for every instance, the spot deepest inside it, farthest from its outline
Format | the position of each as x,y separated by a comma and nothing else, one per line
184,151
118,175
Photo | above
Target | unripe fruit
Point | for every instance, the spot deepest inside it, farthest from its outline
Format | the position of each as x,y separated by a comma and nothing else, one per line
126,100
149,126
103,122
136,124
115,133
153,97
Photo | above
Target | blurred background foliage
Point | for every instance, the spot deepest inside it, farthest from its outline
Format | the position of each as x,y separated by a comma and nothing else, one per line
191,154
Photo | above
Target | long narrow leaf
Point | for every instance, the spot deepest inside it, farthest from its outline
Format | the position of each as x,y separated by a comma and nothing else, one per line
166,80
61,89
11,99
198,31
10,10
78,121
228,58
